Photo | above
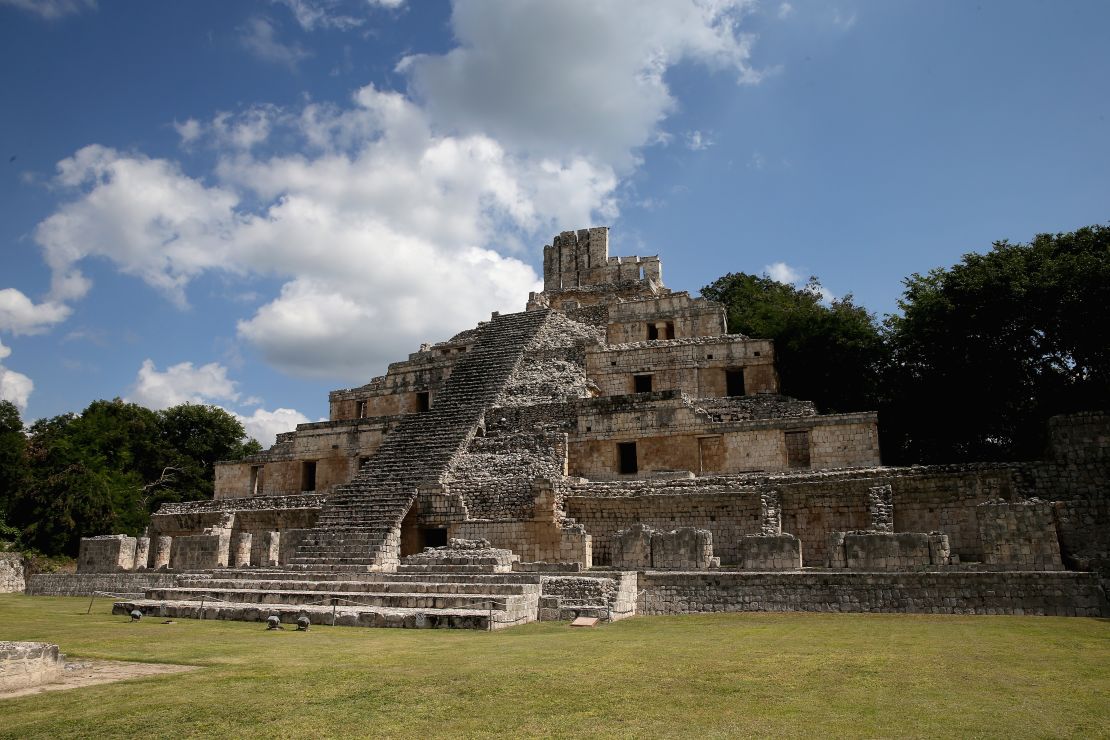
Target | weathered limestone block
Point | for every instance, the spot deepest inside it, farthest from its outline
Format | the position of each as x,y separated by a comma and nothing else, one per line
11,573
880,501
685,548
631,548
243,549
1019,535
940,550
106,554
770,552
200,551
162,548
25,664
142,553
770,509
886,550
834,550
271,550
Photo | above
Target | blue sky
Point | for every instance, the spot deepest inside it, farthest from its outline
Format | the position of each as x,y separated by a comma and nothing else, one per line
252,203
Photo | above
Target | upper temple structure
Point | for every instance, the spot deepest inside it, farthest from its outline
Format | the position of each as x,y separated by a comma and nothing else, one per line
612,449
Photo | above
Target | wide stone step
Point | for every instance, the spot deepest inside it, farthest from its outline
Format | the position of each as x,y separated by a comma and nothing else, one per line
359,616
361,586
512,603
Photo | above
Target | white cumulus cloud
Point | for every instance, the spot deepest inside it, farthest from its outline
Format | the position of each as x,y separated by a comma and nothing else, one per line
575,75
208,384
181,383
20,315
52,9
266,425
14,387
259,37
782,273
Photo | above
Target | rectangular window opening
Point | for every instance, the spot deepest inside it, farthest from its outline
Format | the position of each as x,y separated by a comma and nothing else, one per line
361,410
670,330
308,475
641,384
652,331
734,382
256,480
423,401
626,458
797,449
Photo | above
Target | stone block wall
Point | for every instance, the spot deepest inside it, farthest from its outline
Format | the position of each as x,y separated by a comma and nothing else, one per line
1082,437
770,552
641,547
201,551
694,367
727,512
1019,535
531,540
11,573
690,317
871,551
106,554
84,584
1051,594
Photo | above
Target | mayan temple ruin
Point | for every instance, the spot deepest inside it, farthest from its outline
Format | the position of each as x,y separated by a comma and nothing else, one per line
610,451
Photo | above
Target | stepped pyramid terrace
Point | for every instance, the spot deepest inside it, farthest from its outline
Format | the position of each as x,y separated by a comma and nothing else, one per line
611,450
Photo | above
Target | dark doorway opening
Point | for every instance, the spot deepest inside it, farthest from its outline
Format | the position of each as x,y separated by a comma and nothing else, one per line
626,458
797,449
653,331
423,401
308,475
734,382
433,537
641,383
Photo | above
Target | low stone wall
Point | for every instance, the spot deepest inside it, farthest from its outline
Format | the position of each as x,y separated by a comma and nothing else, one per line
106,554
11,573
83,584
1056,594
1019,535
26,664
640,547
887,550
531,540
200,552
770,552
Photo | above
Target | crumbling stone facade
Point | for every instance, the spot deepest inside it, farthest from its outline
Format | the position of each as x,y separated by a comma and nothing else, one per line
615,427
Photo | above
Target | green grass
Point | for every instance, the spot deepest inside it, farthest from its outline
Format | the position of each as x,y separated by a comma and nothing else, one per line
705,675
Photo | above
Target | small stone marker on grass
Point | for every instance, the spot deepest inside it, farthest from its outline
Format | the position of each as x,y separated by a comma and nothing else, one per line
585,622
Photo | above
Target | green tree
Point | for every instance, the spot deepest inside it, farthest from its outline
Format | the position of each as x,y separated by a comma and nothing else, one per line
106,470
986,350
198,437
13,459
829,353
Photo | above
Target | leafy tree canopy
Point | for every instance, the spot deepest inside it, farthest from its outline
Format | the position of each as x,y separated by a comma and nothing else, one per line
985,351
826,352
108,468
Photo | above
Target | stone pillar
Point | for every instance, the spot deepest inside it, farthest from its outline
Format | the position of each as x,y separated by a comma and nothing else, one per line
271,550
242,558
880,500
142,553
162,547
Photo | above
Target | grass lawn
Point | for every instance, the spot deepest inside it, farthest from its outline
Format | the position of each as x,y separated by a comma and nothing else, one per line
706,675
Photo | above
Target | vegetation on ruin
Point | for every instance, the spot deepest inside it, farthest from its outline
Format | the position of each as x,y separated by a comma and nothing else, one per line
980,356
106,469
788,675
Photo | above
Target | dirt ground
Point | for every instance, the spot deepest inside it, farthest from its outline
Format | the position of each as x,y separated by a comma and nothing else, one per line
90,672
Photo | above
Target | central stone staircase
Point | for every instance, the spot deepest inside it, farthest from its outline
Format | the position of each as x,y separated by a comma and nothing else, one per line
359,527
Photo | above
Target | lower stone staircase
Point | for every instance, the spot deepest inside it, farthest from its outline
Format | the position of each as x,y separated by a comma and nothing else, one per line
411,600
467,585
